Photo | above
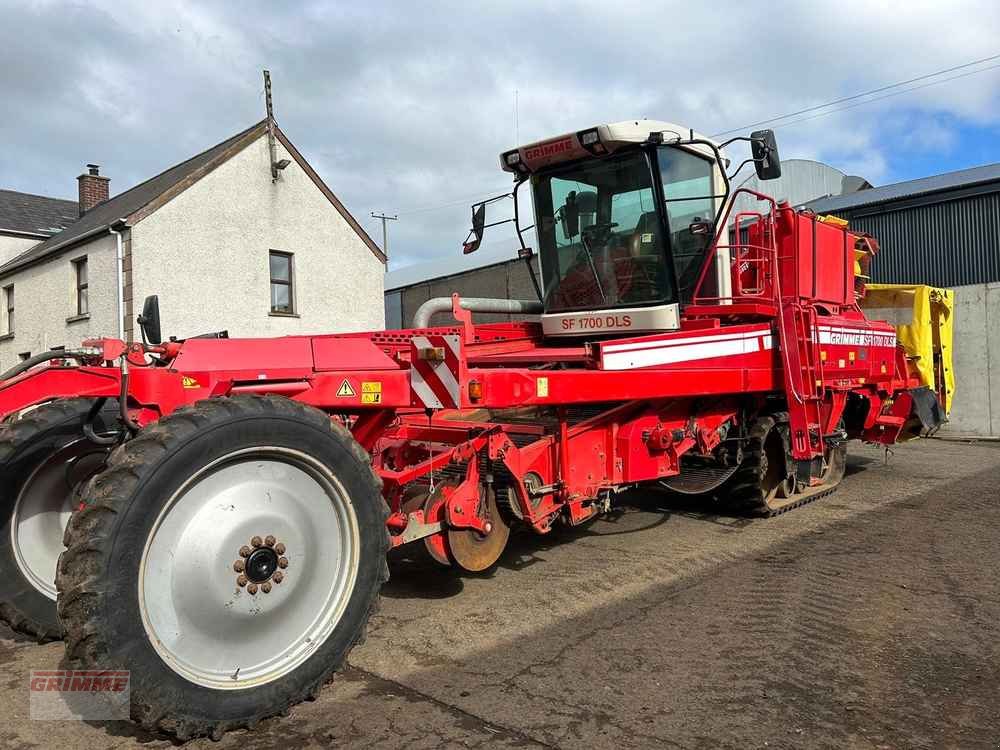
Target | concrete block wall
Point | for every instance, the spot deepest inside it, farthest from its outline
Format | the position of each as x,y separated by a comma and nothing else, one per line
976,409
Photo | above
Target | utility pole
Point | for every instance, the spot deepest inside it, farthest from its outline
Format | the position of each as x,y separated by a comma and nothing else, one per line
385,232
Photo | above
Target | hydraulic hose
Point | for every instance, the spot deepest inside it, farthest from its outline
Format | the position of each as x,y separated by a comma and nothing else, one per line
39,359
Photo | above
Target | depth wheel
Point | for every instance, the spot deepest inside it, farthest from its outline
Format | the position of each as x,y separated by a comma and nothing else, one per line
477,552
44,457
230,556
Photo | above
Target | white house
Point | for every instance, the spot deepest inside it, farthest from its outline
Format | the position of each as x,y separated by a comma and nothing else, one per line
231,239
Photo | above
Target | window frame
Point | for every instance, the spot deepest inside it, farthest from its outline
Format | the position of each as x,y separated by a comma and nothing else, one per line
78,264
8,307
291,312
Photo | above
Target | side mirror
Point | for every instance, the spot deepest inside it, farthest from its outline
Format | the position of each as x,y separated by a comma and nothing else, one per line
764,149
571,216
700,227
475,237
149,321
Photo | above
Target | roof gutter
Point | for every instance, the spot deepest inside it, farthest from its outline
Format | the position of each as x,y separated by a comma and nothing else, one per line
22,233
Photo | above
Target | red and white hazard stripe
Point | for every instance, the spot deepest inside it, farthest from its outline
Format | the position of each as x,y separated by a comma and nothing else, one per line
435,383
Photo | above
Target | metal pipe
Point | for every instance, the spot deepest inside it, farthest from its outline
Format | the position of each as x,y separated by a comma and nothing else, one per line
422,318
120,280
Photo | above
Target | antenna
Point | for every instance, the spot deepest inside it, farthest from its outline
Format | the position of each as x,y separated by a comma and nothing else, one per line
517,141
272,148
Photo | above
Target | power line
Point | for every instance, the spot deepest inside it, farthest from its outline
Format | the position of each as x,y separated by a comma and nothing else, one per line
457,202
887,96
869,93
888,88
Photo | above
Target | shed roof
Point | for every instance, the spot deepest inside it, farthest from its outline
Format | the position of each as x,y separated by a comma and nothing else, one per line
961,178
35,215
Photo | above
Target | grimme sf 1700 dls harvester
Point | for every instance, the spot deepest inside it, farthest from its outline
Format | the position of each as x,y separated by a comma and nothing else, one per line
230,503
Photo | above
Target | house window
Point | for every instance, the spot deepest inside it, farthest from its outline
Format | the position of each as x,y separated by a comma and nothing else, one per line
282,284
8,304
82,295
24,356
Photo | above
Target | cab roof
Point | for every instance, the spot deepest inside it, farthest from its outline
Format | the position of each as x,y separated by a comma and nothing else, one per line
598,140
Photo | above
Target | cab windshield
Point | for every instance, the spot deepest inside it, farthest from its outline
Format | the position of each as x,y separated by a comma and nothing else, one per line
600,238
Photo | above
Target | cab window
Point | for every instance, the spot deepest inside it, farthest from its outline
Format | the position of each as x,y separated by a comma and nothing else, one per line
687,189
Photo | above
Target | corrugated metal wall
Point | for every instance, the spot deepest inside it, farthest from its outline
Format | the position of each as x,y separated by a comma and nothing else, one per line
952,243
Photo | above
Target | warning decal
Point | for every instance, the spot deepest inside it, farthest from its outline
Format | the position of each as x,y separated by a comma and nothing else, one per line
346,390
188,382
371,392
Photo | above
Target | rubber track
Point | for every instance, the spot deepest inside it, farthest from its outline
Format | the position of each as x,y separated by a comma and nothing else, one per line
81,568
14,435
745,486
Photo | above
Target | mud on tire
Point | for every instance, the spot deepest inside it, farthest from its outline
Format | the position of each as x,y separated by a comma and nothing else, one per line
26,443
116,578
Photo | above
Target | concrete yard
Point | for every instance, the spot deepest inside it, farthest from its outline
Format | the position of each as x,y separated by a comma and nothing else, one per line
868,619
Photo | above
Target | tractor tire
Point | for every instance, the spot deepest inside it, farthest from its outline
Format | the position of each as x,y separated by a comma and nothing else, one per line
44,458
230,557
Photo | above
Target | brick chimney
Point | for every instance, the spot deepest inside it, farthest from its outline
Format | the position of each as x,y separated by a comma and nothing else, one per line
93,188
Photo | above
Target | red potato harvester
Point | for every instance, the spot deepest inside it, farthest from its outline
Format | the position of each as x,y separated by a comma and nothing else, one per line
228,504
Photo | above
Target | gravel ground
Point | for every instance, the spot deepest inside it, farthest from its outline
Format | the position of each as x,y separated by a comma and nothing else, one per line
868,619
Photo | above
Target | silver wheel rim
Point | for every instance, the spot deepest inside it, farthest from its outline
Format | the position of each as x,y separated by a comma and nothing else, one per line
200,619
42,510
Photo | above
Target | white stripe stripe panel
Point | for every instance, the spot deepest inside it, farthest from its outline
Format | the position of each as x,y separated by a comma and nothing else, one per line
636,359
657,343
447,378
423,391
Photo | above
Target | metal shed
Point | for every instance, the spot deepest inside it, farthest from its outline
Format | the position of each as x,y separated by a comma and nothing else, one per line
942,230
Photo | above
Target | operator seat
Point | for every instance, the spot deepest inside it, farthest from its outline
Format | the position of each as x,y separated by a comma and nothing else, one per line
644,263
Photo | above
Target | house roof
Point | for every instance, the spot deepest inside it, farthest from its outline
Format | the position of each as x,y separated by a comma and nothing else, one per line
35,215
140,201
911,188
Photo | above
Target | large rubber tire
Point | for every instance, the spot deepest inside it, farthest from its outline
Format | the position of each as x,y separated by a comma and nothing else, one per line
99,577
26,442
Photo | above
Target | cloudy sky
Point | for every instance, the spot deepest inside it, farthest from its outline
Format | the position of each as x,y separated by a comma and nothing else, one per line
404,107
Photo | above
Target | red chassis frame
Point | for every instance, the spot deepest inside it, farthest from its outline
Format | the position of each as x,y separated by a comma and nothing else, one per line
560,426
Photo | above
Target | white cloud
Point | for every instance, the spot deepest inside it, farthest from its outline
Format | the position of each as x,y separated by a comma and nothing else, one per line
407,107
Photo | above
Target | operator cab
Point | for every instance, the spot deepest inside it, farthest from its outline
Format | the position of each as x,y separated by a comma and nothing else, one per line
625,214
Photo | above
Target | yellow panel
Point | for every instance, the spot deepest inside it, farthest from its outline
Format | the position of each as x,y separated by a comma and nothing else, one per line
923,319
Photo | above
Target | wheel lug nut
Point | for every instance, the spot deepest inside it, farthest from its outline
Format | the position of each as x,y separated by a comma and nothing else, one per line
269,540
266,587
252,588
245,551
278,576
279,548
238,566
282,562
256,541
241,581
